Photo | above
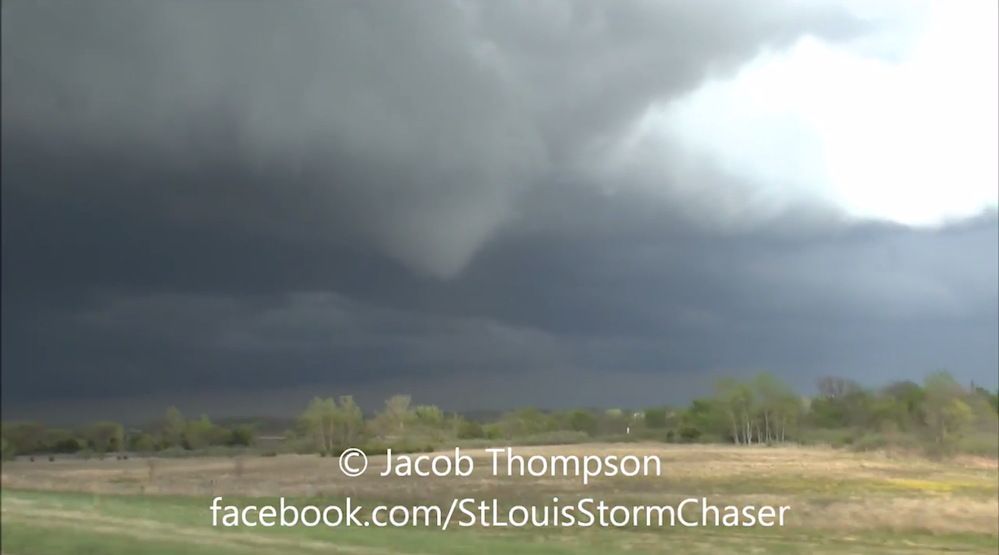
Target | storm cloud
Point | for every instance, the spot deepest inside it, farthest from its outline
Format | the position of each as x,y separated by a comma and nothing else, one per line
230,200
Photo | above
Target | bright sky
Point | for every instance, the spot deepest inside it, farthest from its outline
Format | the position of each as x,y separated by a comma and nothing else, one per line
901,125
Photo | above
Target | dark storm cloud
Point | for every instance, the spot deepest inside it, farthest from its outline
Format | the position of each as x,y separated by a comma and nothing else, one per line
212,199
413,128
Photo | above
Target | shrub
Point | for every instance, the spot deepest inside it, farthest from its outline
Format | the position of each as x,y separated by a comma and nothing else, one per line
689,434
6,450
66,445
241,436
985,444
561,437
835,437
470,430
870,442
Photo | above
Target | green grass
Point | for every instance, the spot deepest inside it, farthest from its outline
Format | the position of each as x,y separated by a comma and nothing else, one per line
18,537
842,502
42,523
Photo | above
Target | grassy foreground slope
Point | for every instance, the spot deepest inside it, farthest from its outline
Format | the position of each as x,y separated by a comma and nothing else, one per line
841,503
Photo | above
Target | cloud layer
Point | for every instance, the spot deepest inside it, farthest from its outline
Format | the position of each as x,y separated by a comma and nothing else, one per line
242,198
413,129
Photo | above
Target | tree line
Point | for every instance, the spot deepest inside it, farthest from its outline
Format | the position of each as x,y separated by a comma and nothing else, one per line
938,415
170,432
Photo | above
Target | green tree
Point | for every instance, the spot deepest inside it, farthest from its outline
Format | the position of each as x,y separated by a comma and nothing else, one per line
105,436
141,443
429,416
172,428
947,415
61,441
243,435
350,421
902,402
583,421
469,429
25,437
738,403
991,398
396,414
778,407
707,416
655,418
841,403
320,420
202,433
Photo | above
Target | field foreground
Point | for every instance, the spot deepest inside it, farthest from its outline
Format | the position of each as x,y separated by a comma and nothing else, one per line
841,502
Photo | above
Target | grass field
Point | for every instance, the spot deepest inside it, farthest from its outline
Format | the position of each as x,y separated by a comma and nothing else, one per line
841,502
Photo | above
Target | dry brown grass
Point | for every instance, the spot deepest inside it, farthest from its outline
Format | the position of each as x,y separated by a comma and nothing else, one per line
826,488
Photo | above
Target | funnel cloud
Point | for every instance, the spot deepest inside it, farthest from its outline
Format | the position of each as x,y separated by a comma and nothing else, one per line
220,203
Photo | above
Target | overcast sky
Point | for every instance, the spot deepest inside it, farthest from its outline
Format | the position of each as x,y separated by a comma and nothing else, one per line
234,206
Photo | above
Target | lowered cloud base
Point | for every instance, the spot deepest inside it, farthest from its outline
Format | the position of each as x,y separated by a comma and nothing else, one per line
246,198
